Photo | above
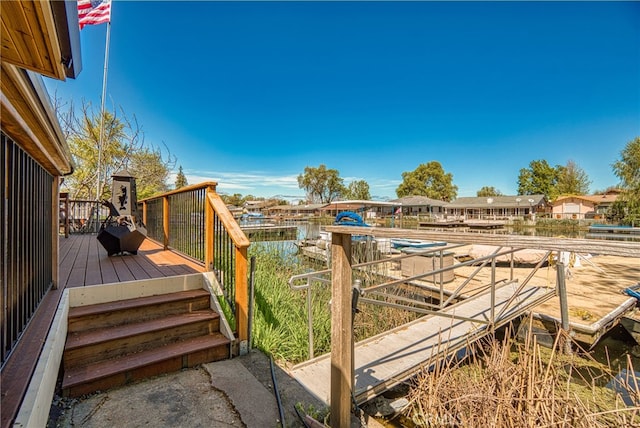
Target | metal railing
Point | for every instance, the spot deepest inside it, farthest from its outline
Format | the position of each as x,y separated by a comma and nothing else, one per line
86,216
196,222
27,213
342,292
381,294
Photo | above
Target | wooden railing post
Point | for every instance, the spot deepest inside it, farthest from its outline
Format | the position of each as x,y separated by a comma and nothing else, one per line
165,221
144,212
341,330
242,298
208,230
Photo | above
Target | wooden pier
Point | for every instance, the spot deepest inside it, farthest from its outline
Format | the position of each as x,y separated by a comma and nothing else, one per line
392,357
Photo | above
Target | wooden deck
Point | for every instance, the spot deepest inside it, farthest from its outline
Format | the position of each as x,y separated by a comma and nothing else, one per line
83,262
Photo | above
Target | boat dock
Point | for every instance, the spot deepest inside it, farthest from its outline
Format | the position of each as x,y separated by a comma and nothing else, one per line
471,303
488,224
587,276
440,224
270,232
614,232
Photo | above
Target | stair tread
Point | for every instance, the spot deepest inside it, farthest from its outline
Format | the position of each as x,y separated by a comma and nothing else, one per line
79,375
138,302
91,337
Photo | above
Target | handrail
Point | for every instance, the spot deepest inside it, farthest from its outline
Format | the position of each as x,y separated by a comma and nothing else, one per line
233,228
225,265
319,277
204,185
195,221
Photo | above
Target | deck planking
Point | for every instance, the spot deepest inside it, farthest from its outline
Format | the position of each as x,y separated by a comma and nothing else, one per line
392,357
85,262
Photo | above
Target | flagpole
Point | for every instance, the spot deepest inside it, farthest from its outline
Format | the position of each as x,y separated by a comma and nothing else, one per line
104,95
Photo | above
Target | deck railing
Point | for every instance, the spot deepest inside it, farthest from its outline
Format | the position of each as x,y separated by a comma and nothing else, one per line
194,221
85,216
26,213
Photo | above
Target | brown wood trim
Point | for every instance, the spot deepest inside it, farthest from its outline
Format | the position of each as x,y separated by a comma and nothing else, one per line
230,224
30,39
207,184
27,121
17,372
242,294
166,212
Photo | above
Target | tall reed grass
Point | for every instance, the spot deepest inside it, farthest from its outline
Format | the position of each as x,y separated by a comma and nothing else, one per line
280,316
514,384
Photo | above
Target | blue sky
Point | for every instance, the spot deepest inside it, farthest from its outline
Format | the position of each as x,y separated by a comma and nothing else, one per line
250,93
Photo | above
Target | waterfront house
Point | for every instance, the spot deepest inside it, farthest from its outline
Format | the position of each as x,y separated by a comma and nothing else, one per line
367,209
288,211
254,207
583,206
421,206
497,207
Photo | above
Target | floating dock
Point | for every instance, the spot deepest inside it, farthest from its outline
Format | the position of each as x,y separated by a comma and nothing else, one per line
440,224
270,232
490,224
614,232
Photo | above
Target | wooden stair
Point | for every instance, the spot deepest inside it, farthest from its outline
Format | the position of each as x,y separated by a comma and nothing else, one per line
112,344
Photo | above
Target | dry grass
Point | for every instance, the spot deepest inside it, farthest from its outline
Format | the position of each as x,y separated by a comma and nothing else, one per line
513,384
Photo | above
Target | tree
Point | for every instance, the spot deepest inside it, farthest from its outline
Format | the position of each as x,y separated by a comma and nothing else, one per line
488,191
322,185
150,170
539,179
627,168
358,190
236,199
123,147
428,179
181,180
572,180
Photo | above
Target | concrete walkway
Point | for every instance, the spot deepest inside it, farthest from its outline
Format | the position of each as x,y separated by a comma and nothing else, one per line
231,393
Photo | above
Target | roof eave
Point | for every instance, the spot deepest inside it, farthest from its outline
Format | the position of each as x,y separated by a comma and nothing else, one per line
65,16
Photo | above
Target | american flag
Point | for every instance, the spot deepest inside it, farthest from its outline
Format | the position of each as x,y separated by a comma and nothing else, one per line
93,12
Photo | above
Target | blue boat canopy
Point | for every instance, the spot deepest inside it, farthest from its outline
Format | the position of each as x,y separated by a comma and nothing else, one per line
349,218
